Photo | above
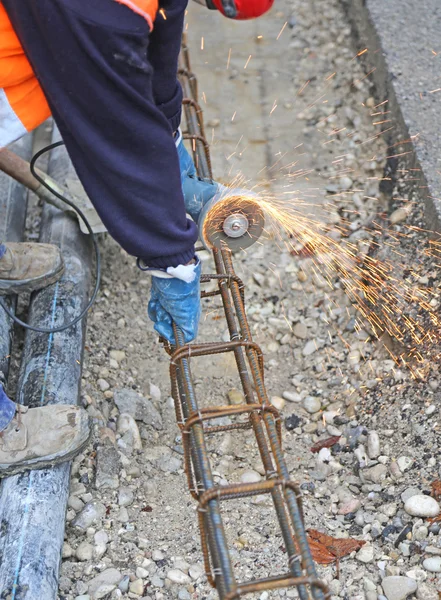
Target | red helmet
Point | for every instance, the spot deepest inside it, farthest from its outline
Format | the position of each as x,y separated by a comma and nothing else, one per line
241,9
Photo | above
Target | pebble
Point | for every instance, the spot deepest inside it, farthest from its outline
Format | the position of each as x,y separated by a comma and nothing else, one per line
103,384
398,588
196,571
137,587
311,404
376,474
398,215
422,506
141,409
155,393
128,428
92,512
250,477
177,576
157,555
373,444
278,402
110,577
432,564
292,396
118,355
236,397
365,554
309,348
405,462
125,496
351,506
300,331
409,492
84,551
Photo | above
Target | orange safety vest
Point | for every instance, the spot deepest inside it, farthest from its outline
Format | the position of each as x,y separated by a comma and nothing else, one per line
23,105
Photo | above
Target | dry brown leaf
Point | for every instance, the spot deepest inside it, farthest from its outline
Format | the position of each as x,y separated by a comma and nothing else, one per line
436,489
325,443
338,547
320,553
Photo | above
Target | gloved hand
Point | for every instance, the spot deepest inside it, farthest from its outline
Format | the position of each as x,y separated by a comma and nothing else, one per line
177,299
197,192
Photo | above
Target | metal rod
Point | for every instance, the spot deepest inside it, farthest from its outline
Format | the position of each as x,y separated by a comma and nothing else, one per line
263,418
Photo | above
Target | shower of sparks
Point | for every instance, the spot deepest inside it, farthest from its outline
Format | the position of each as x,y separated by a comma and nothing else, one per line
246,64
281,31
374,287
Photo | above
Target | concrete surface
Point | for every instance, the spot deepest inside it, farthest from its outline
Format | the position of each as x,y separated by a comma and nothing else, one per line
403,41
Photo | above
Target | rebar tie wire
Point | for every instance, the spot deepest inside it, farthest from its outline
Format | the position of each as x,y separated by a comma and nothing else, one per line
263,418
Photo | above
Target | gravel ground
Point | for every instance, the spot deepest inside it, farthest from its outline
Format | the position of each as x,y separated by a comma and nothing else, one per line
131,525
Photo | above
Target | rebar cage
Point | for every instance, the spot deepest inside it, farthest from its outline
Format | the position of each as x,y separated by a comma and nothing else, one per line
196,423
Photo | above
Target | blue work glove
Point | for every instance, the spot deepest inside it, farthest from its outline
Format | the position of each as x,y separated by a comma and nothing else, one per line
197,192
177,299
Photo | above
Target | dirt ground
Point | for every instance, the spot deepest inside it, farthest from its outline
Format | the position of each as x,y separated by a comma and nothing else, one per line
288,109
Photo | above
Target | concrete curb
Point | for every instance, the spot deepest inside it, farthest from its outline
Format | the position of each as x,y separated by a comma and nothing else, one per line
414,132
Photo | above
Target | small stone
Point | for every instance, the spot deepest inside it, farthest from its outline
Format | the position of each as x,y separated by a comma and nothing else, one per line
124,584
177,576
141,573
84,551
365,554
236,397
432,564
398,215
300,331
373,444
157,555
137,587
140,408
351,506
376,474
107,467
127,427
292,396
125,496
75,503
250,477
422,506
109,577
118,355
155,392
278,402
405,462
123,515
67,551
92,512
196,571
103,384
409,492
311,404
309,348
398,588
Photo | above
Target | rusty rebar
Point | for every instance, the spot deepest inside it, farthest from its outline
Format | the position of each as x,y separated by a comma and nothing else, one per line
256,413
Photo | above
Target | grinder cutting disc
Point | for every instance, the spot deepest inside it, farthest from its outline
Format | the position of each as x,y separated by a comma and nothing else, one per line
235,219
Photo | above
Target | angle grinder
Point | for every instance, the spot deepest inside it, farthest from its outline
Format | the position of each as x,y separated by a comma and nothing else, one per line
232,217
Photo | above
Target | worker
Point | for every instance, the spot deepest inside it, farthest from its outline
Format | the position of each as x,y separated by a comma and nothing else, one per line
106,70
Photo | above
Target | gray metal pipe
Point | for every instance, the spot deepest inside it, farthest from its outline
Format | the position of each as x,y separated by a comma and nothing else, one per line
33,505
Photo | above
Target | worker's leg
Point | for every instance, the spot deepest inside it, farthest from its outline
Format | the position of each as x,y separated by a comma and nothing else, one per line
92,61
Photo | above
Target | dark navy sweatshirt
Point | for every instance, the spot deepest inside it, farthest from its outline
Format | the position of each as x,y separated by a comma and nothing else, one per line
112,88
